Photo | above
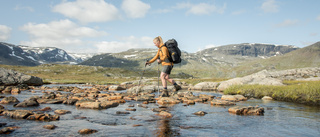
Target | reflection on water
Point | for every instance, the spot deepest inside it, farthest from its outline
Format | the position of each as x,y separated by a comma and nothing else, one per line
280,119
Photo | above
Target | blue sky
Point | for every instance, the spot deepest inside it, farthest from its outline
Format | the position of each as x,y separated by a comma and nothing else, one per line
108,26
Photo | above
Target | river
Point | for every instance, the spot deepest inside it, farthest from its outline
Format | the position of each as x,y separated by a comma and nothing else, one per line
279,119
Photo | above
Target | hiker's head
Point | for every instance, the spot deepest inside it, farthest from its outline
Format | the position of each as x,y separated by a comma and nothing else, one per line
158,41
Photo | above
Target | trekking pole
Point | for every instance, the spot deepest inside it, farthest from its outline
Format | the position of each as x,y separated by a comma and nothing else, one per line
143,72
158,81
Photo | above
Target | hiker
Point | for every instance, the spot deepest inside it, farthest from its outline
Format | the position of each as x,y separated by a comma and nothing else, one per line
162,57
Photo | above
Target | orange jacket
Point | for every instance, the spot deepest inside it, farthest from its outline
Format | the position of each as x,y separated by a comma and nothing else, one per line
164,54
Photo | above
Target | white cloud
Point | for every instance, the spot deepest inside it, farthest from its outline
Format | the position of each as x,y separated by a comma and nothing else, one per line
63,34
18,7
135,8
287,23
4,32
88,10
124,44
270,6
201,8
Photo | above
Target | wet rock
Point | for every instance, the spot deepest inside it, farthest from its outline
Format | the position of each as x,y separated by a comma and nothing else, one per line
15,90
20,114
7,90
222,102
70,101
116,87
50,95
165,114
142,89
44,109
49,101
208,97
49,126
131,109
234,98
8,130
267,98
61,112
108,104
28,103
122,112
246,110
47,117
168,100
87,131
200,113
90,105
8,100
114,97
137,125
147,97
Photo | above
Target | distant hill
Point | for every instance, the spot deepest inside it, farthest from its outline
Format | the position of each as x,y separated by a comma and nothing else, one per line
305,57
14,55
32,56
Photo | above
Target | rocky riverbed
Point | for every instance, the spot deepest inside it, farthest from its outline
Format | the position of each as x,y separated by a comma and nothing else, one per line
105,110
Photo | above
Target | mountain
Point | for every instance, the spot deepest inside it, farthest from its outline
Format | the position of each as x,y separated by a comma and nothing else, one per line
211,62
305,57
32,56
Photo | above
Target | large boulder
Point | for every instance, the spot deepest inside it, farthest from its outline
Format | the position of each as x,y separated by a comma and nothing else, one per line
260,78
205,86
10,77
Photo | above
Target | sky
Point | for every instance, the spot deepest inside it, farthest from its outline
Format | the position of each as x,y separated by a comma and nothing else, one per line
112,26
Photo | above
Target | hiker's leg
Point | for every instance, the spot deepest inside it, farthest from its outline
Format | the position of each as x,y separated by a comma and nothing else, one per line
163,80
169,79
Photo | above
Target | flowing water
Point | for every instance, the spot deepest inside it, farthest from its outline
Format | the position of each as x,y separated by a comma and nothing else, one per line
280,119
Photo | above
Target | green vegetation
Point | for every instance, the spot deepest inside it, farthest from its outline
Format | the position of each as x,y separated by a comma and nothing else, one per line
54,73
78,74
307,92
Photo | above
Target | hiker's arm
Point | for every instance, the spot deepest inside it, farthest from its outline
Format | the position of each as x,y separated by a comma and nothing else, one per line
154,58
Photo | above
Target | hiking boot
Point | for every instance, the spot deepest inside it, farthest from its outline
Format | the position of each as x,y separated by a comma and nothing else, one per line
164,93
177,87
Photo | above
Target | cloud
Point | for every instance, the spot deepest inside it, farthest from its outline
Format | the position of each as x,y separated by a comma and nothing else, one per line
287,23
135,8
27,8
63,34
201,8
270,6
318,18
88,10
124,44
4,32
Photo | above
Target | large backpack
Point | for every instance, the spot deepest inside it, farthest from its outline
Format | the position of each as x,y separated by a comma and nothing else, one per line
174,51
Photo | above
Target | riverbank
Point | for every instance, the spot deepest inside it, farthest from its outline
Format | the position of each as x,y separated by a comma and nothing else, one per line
305,92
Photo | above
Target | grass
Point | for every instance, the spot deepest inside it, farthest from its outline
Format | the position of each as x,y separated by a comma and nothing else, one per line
76,74
306,92
79,74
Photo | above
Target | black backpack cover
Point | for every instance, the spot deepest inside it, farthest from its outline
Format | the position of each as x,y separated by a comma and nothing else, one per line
174,51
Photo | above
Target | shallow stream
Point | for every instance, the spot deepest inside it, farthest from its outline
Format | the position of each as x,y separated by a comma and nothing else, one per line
280,119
